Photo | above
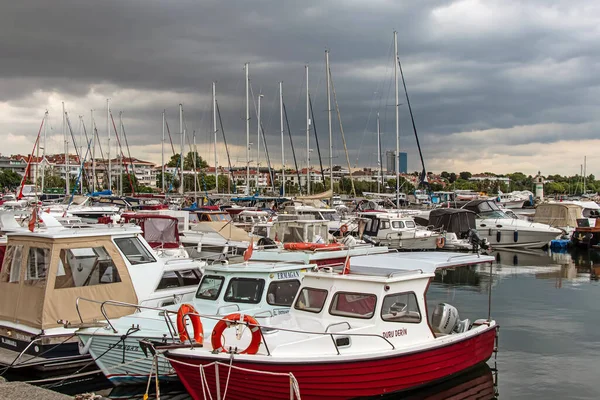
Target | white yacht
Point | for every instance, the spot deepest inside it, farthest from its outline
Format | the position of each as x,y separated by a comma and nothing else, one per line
503,231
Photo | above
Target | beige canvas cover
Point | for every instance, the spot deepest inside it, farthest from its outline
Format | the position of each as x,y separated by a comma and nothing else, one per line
557,214
40,304
223,228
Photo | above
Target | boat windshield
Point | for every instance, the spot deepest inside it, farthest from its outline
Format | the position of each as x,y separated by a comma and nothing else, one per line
493,214
244,290
311,300
210,287
330,216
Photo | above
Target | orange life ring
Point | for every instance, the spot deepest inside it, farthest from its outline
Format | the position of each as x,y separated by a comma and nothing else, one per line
231,320
189,311
441,242
312,246
343,229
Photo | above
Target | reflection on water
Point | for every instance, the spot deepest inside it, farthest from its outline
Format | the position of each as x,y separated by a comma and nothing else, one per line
547,306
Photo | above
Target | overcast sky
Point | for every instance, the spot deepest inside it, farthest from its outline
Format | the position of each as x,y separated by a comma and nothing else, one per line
495,85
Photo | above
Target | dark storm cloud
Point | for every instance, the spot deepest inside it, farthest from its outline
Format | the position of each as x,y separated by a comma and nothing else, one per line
470,66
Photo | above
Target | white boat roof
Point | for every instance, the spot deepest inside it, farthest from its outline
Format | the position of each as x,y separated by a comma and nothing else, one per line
425,262
258,267
74,232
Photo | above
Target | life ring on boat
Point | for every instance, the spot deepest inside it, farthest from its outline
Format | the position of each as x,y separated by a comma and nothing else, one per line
189,311
343,229
441,242
312,246
231,320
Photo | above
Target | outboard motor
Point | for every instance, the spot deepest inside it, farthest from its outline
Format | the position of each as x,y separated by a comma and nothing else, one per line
369,239
349,241
445,320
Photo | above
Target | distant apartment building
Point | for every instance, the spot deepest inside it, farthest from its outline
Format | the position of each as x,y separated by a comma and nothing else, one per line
390,162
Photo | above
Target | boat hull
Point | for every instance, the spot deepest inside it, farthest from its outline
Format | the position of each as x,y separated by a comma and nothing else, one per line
335,380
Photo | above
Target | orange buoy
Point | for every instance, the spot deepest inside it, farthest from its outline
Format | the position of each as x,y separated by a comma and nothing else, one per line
187,310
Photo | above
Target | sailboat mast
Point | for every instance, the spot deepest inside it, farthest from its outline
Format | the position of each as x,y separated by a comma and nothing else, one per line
44,151
584,173
66,150
397,158
120,155
246,66
162,158
214,94
282,143
93,151
379,169
182,144
260,96
329,125
108,150
307,134
196,171
81,153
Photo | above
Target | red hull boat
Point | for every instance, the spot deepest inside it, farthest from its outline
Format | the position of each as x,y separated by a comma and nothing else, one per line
338,380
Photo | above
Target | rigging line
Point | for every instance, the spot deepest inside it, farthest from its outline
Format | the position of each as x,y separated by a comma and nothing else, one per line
169,132
337,108
104,161
74,142
292,144
362,140
225,143
312,113
121,149
424,172
89,179
265,143
127,146
195,153
387,78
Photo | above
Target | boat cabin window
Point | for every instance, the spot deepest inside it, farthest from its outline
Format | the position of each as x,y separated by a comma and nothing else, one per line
353,305
311,300
38,264
11,267
282,293
244,290
134,250
398,224
385,225
177,279
88,266
210,287
410,224
401,307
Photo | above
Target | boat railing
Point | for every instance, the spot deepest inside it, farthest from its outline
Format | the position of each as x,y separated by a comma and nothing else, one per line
265,328
113,303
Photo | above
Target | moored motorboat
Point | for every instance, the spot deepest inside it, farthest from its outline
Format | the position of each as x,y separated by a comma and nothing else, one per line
258,289
45,272
361,333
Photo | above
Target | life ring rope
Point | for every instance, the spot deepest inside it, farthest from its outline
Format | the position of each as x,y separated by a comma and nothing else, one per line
234,319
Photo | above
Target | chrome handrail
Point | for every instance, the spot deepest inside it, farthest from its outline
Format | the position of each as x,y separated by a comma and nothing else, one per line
338,323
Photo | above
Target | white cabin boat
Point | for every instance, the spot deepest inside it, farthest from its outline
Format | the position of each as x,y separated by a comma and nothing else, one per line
359,334
258,289
397,231
46,271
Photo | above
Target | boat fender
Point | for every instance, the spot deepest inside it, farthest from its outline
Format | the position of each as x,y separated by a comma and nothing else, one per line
187,310
233,320
85,348
441,242
490,232
498,236
515,260
516,236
